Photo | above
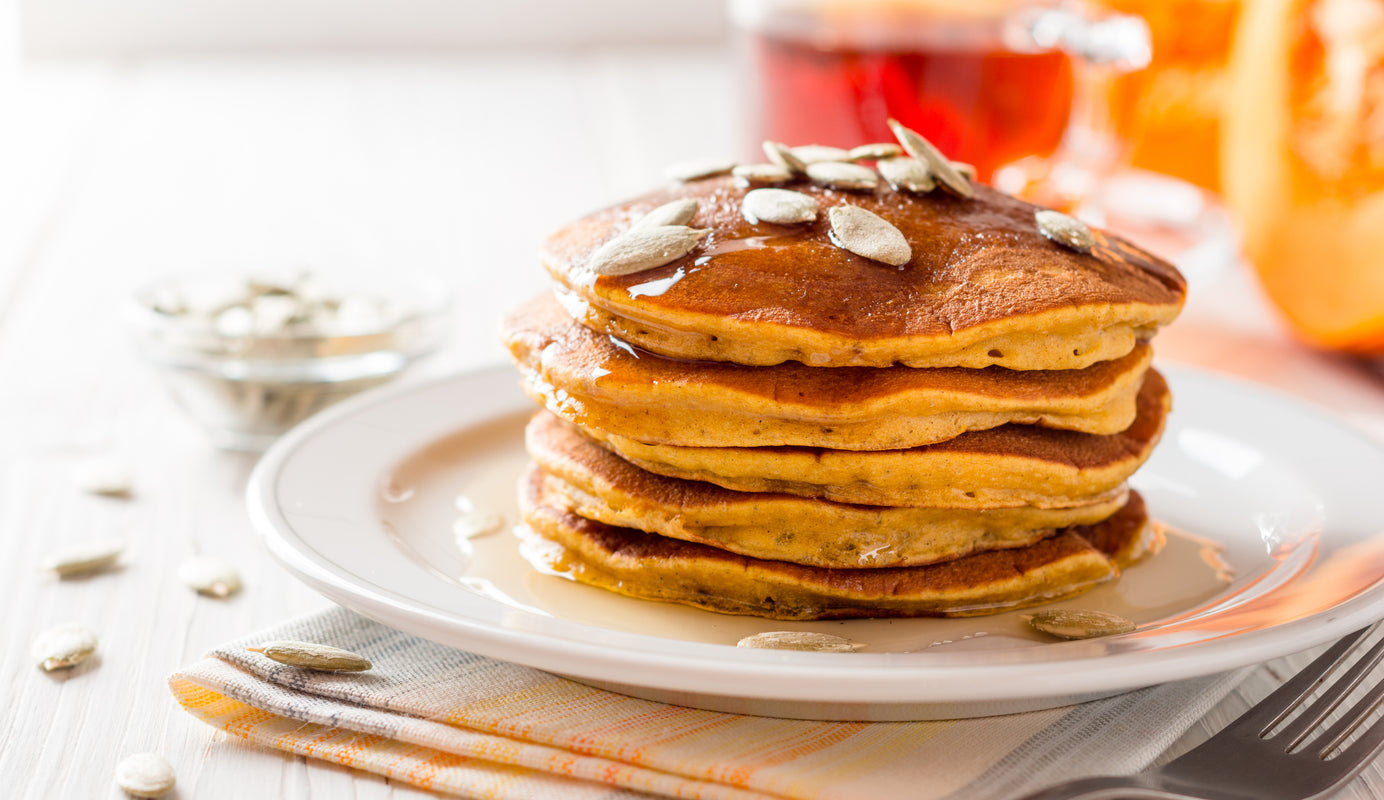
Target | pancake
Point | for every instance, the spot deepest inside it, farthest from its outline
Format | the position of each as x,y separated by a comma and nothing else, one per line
1006,466
584,478
653,567
587,378
983,286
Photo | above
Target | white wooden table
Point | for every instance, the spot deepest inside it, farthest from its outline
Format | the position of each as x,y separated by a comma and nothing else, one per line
116,172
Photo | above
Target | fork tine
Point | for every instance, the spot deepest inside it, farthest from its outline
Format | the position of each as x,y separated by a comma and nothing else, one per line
1365,748
1272,709
1337,733
1322,707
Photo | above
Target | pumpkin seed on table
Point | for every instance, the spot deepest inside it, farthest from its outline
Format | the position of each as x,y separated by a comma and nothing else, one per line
839,175
1069,623
63,647
676,212
968,171
937,164
83,558
638,249
210,576
145,775
310,655
782,155
779,206
103,475
906,173
1065,229
874,151
753,174
799,640
701,168
868,235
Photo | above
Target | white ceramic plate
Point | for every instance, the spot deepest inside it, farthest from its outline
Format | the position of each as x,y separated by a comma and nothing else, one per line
1282,548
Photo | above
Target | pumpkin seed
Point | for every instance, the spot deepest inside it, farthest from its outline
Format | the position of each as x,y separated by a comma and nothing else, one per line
701,168
816,153
103,475
63,647
1068,623
677,212
906,173
1065,229
799,640
869,235
310,655
843,176
874,152
477,523
210,576
937,164
84,558
782,155
753,174
779,206
145,775
638,249
968,171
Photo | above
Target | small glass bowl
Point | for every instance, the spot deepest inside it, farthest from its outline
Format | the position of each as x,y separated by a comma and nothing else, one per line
247,383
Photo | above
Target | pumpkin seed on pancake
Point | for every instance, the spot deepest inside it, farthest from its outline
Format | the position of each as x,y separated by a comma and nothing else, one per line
584,478
586,377
984,287
1005,466
654,567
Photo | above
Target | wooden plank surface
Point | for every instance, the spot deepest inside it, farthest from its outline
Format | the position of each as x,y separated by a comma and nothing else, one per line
449,166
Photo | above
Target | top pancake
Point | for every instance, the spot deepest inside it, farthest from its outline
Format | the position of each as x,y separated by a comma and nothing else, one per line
983,288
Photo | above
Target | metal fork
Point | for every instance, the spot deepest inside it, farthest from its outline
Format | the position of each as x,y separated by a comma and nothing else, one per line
1251,760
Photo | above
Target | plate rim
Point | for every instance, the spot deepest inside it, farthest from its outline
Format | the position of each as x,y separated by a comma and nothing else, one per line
794,676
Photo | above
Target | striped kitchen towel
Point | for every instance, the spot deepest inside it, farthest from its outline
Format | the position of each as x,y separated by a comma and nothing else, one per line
462,724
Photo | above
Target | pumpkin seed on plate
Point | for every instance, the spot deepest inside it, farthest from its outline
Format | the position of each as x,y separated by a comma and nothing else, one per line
1071,623
799,640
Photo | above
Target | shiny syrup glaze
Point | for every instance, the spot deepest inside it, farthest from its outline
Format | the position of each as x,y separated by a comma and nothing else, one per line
543,337
418,501
974,262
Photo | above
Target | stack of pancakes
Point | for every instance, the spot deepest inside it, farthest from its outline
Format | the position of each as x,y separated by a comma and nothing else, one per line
771,424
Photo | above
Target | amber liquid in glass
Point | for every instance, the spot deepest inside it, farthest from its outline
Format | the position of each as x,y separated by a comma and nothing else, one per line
976,100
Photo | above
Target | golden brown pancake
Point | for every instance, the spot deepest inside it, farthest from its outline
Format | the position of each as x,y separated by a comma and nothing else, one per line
584,478
588,378
653,567
983,287
1006,466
